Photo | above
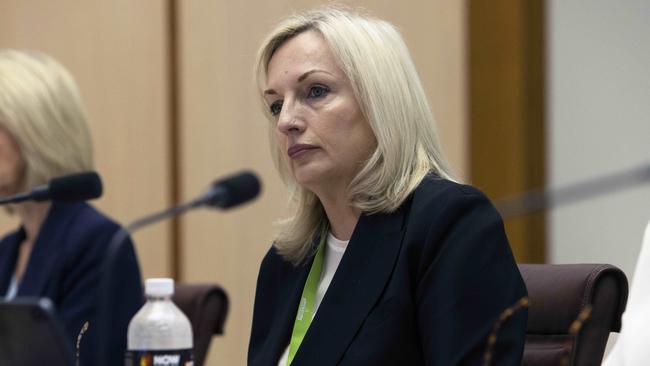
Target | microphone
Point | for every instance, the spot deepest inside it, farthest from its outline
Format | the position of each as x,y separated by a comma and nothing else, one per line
230,191
68,188
224,193
540,200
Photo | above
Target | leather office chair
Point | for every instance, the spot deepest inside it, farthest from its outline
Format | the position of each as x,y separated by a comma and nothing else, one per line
206,306
558,294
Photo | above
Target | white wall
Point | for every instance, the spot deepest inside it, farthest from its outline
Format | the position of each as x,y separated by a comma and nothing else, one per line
598,97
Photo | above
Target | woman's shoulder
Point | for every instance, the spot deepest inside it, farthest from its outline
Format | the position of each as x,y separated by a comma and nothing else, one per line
85,217
274,268
85,239
274,262
435,192
439,204
83,228
73,220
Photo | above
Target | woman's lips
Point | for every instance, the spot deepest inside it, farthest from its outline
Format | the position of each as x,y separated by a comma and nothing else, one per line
297,150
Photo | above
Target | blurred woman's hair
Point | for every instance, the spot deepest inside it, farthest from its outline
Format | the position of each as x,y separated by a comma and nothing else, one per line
375,59
41,108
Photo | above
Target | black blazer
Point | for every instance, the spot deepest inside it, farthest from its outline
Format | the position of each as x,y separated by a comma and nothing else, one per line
65,266
421,286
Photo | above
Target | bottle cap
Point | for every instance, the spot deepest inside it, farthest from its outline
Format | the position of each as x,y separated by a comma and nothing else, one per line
159,287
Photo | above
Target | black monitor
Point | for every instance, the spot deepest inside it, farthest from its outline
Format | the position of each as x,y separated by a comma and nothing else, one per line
31,335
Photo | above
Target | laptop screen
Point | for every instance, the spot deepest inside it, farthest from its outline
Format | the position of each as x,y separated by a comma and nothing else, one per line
31,335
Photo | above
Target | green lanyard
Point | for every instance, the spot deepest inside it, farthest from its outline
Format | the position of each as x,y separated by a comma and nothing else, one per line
307,301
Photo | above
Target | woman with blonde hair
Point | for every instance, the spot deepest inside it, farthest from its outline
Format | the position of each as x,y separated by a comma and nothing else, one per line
57,251
387,260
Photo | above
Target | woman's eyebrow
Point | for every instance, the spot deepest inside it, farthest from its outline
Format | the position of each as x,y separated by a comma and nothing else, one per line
300,79
306,74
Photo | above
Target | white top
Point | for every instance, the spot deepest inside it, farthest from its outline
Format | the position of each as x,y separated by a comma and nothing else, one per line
631,347
333,254
13,289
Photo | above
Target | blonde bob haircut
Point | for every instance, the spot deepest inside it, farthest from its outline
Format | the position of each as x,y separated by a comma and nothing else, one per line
41,108
375,59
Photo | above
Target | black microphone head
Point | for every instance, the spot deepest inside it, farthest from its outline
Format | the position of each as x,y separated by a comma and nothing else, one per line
233,190
75,187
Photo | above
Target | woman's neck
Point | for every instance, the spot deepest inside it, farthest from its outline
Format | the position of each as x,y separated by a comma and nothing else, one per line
342,217
32,215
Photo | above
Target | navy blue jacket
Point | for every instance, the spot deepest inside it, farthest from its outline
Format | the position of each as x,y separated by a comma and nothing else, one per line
421,286
65,266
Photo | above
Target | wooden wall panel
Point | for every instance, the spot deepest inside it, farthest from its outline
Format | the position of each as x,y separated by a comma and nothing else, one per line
506,110
222,130
116,50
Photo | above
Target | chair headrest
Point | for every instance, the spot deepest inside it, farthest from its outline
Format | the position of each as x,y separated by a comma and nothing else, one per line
558,292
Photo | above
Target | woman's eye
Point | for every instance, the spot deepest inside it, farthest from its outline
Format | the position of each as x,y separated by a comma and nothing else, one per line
275,108
317,91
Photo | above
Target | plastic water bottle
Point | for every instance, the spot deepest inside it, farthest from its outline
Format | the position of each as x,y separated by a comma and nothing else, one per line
159,334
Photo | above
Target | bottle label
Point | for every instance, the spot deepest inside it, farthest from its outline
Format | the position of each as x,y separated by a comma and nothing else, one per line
177,357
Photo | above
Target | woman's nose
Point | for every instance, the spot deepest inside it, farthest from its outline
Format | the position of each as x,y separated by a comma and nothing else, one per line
289,120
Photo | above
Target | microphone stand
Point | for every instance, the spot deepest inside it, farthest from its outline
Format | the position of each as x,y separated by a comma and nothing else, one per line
225,193
114,247
16,198
540,199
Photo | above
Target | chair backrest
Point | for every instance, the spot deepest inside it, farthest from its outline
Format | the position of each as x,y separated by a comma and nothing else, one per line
206,306
558,294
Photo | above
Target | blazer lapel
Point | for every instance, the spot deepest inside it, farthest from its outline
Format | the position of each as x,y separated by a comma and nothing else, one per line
8,254
290,285
47,248
357,285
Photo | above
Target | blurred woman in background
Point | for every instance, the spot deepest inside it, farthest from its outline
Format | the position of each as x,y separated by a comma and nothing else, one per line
57,251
